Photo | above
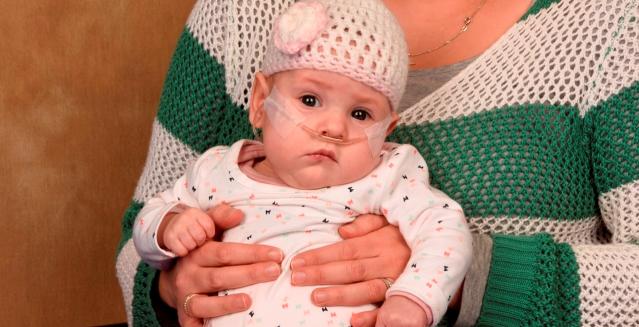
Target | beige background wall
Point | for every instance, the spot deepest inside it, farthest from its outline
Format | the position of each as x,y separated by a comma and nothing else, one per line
79,84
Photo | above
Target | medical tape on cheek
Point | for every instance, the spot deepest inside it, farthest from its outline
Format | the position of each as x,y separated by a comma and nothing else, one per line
376,134
283,118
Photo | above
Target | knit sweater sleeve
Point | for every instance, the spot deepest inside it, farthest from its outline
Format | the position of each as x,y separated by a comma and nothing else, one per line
543,282
609,273
537,141
199,108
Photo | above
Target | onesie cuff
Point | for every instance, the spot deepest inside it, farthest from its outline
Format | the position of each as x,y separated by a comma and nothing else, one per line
437,305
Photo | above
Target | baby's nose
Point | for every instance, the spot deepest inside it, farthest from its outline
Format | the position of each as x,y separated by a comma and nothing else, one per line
333,125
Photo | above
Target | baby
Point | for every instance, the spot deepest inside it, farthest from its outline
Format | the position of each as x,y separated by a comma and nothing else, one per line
332,78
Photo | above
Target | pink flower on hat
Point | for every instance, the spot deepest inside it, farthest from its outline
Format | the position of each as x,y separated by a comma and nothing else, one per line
299,26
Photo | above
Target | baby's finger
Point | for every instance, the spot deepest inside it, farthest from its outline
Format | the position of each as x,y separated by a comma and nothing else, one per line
207,224
197,233
364,319
367,292
175,246
187,241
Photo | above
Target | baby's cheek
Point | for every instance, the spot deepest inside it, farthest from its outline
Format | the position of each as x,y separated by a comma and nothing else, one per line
360,164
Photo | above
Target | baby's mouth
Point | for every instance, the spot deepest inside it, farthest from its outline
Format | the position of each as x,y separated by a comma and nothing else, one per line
323,153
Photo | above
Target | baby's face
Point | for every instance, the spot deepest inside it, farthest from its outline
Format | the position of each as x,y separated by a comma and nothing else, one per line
331,105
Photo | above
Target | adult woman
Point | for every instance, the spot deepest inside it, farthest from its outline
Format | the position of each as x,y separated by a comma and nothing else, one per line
534,134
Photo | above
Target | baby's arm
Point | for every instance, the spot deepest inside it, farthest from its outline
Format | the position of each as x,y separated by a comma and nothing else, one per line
173,223
182,232
435,229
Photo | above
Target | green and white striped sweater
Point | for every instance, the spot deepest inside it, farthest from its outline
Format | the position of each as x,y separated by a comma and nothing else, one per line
538,140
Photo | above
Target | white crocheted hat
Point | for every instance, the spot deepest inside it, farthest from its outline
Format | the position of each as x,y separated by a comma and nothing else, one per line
358,38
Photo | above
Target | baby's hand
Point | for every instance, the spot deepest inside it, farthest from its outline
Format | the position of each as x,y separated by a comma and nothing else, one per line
185,231
400,311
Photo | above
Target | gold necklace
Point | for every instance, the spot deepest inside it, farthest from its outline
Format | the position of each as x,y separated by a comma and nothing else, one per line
467,21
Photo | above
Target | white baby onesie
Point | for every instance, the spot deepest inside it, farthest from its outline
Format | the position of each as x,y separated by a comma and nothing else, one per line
294,220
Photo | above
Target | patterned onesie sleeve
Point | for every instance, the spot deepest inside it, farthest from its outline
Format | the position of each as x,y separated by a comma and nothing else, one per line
433,225
184,193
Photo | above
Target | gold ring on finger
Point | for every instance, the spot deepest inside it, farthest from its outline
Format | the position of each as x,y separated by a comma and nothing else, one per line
187,303
388,282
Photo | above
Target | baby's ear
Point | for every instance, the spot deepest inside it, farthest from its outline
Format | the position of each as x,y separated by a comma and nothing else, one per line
393,124
261,90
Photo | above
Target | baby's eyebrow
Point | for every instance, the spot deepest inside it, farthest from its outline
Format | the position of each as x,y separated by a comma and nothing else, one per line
319,82
369,103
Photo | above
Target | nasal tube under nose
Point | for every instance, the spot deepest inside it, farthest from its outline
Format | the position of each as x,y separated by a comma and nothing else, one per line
330,139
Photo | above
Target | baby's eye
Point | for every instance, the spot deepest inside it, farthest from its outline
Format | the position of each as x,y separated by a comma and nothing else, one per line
309,100
360,114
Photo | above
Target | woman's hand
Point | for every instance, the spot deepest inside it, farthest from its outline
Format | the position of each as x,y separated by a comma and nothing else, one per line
372,250
217,266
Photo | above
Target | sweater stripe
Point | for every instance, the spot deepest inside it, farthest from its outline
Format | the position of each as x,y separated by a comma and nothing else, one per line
615,139
584,230
537,7
127,223
567,285
144,314
619,210
608,278
539,149
194,106
126,267
162,170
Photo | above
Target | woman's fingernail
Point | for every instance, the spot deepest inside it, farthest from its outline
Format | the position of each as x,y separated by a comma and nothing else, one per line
272,270
243,302
275,255
298,277
320,297
298,262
